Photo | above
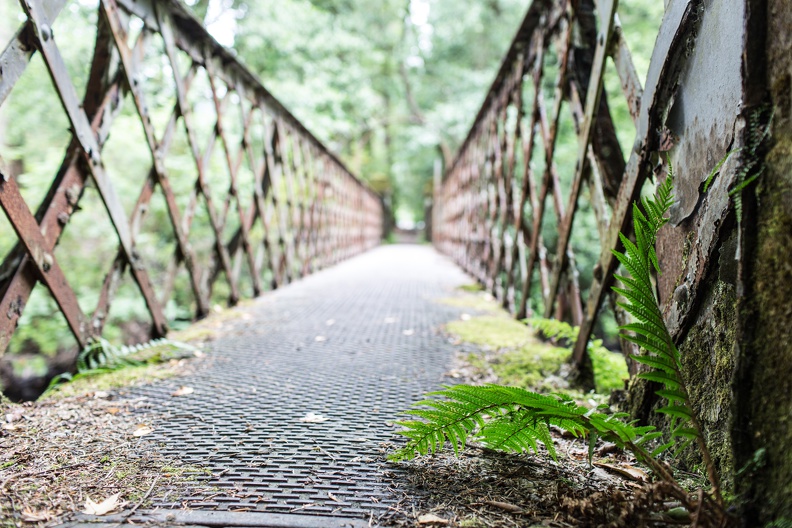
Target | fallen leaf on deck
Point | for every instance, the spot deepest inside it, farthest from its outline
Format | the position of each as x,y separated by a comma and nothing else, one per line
183,391
102,508
429,518
142,430
333,497
313,418
629,472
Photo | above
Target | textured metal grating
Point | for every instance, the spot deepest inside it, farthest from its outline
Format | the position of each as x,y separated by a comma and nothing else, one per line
381,351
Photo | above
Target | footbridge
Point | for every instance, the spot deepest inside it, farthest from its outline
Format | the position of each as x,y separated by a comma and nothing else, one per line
290,413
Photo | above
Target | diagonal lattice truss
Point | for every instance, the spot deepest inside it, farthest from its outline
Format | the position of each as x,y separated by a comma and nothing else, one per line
257,201
507,207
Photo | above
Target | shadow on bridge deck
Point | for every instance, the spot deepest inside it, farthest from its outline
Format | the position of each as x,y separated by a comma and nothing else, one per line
292,414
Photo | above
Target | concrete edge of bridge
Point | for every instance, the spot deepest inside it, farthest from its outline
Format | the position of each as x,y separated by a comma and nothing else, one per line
215,519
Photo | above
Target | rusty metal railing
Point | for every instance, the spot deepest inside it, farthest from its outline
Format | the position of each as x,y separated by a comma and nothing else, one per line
305,210
491,213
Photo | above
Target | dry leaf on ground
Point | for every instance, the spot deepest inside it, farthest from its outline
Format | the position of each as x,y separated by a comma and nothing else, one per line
506,506
29,515
103,508
629,472
429,518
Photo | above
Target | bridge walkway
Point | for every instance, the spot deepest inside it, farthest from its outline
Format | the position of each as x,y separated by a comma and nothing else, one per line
292,410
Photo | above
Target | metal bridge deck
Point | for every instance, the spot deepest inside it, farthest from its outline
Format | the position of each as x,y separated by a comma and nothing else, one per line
355,344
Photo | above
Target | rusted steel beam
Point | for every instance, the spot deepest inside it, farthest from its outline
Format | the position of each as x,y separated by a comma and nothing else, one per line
262,188
549,145
40,253
202,185
153,179
18,275
607,12
233,169
92,152
677,26
112,15
16,56
520,226
192,38
474,198
622,59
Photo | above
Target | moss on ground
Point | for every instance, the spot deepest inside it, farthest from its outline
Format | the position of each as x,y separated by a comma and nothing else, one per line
495,332
525,361
480,302
530,365
610,368
115,379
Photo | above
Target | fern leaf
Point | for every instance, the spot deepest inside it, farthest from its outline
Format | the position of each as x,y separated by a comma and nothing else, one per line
648,345
672,395
648,438
717,168
661,377
653,333
655,362
661,448
678,411
686,432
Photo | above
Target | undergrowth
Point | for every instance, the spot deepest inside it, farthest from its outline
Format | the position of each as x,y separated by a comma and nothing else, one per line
610,369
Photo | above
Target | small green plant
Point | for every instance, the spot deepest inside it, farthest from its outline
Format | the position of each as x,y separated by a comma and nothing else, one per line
101,356
649,331
514,419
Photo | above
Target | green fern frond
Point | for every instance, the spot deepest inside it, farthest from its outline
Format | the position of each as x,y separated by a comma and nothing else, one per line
554,329
509,419
649,331
103,354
